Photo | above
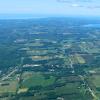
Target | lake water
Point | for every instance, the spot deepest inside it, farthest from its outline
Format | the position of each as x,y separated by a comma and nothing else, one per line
92,25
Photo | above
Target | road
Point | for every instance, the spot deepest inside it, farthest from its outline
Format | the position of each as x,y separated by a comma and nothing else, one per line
7,76
71,66
88,87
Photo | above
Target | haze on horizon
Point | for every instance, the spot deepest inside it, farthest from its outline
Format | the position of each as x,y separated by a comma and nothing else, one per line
42,8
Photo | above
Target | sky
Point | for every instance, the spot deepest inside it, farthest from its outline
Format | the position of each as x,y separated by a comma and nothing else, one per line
50,7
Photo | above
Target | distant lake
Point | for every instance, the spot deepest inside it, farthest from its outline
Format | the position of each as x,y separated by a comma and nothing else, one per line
92,25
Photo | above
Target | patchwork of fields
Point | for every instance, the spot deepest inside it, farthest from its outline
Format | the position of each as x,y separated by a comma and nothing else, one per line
44,60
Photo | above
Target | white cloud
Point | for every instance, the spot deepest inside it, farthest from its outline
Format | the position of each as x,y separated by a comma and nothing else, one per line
75,5
90,4
67,1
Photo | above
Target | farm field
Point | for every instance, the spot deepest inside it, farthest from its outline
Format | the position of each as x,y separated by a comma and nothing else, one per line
41,59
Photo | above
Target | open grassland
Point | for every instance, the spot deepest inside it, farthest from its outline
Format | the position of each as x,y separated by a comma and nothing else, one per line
37,44
77,59
70,91
37,58
80,59
40,52
89,47
95,84
10,88
37,79
96,80
69,88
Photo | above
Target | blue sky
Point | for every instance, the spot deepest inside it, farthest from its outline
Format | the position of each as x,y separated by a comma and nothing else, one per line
51,7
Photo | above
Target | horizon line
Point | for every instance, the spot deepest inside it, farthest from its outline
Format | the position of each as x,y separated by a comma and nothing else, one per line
37,16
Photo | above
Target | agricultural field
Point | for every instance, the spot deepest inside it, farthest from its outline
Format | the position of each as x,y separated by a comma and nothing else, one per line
44,60
9,87
77,59
36,79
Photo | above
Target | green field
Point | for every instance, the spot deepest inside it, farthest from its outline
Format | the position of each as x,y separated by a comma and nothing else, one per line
70,91
77,59
37,79
11,88
96,80
80,59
